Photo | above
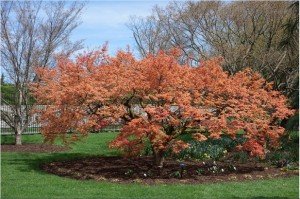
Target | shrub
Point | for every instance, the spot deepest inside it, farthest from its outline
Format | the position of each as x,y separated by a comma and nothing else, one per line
293,123
158,99
289,148
209,149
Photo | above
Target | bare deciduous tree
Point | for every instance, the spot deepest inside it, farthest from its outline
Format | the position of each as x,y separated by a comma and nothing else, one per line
32,34
245,34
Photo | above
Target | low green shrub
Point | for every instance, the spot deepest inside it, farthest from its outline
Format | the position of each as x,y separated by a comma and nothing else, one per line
240,156
209,149
292,123
289,150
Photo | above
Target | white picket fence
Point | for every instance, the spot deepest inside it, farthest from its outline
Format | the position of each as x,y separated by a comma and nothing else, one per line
34,126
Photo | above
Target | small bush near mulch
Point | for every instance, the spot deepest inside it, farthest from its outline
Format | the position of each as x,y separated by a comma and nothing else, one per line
221,149
207,150
288,154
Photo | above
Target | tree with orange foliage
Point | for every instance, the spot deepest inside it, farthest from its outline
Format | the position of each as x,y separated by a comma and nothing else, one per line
158,100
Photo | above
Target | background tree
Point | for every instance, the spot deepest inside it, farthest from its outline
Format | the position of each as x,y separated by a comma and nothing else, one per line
157,99
245,34
2,79
290,45
32,34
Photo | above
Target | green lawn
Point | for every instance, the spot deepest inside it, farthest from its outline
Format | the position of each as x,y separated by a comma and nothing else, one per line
21,178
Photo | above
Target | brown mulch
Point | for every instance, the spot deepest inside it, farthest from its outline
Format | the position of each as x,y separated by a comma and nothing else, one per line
33,148
123,170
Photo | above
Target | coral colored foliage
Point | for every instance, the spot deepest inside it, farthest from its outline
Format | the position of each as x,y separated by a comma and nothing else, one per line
157,100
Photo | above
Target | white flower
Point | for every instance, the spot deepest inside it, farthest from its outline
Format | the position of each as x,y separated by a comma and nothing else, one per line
234,168
222,170
145,174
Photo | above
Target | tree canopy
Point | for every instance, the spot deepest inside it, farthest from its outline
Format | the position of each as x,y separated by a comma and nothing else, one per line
157,100
32,34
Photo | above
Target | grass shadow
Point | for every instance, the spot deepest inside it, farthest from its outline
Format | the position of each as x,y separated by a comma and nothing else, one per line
28,162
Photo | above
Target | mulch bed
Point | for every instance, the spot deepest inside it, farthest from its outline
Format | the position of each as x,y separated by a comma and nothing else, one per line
33,148
141,170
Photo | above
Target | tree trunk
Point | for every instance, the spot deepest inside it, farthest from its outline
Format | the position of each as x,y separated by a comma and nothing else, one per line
159,159
18,137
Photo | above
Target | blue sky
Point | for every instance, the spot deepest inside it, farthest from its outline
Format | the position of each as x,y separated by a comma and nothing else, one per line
106,21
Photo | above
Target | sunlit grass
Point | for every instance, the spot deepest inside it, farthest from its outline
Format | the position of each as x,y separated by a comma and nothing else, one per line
22,178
